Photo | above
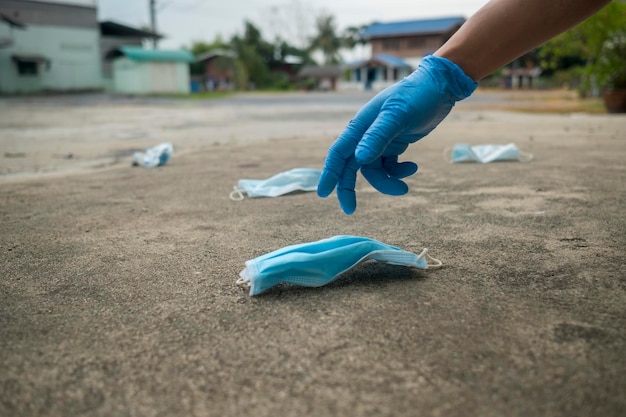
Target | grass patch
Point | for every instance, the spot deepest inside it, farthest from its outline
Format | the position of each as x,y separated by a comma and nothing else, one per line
14,155
205,95
542,101
593,106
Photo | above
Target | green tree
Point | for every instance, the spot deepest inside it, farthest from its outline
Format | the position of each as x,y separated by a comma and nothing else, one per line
201,47
255,55
599,42
351,36
257,62
283,49
198,48
326,40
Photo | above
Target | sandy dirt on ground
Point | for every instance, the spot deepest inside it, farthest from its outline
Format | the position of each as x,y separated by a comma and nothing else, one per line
117,284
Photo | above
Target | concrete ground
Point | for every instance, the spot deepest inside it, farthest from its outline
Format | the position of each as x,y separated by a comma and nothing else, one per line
117,284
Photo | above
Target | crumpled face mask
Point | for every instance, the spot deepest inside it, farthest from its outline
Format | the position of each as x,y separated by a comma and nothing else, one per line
486,153
317,263
297,179
155,156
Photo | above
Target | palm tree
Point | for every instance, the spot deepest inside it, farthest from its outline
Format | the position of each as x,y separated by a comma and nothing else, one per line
326,39
352,36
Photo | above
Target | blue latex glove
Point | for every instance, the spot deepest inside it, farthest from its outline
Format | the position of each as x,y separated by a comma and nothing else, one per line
383,129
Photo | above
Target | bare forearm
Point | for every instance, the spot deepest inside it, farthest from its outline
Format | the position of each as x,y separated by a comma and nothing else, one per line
505,29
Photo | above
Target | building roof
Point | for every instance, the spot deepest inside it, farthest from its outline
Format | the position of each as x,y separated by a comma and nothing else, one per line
79,3
390,60
412,27
386,60
137,53
30,58
13,22
325,71
293,59
214,54
111,28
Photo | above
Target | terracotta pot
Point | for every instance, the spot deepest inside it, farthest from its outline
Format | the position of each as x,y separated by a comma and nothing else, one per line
615,101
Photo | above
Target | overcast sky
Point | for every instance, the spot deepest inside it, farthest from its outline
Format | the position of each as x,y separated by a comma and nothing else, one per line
183,21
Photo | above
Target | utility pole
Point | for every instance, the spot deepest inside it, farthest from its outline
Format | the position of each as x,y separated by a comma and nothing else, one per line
153,23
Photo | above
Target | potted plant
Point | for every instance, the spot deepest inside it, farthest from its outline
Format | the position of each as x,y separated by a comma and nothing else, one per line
611,70
599,43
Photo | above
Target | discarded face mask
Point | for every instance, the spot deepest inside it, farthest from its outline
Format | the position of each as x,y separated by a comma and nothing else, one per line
297,179
318,263
154,157
487,153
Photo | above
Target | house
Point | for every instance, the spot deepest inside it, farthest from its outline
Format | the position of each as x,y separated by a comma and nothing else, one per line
49,45
148,71
289,66
376,73
59,45
114,35
397,49
323,78
218,69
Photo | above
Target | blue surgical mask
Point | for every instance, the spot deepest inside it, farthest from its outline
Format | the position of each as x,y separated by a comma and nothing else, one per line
317,263
154,157
297,179
487,153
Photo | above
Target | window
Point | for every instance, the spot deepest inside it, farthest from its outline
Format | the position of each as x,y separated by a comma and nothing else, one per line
27,68
391,44
30,65
417,42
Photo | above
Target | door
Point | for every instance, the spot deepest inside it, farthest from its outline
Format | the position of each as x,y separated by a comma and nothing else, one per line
164,77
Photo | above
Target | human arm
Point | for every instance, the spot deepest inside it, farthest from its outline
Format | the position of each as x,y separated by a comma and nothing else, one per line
409,110
504,30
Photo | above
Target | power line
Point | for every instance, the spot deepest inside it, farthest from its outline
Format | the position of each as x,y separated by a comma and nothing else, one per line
153,23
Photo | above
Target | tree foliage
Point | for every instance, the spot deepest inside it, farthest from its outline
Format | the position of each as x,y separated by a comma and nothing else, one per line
351,36
327,41
599,42
260,63
198,48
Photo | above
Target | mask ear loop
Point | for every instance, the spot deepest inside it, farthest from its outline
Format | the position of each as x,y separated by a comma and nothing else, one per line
432,263
237,194
447,154
243,281
525,157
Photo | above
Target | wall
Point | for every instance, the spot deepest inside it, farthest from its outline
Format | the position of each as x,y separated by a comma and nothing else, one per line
380,77
91,3
129,76
219,68
74,59
110,43
50,13
68,36
408,46
133,77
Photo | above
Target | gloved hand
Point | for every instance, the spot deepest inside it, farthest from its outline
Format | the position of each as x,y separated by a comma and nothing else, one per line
383,129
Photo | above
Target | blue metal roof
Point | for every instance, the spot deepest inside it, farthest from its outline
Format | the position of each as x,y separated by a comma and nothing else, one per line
413,27
391,61
387,60
137,53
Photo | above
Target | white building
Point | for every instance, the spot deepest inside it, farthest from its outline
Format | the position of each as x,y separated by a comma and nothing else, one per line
49,45
150,71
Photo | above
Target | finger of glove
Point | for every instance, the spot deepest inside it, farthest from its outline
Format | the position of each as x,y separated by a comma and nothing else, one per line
379,179
345,186
380,134
395,148
333,167
397,169
342,150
